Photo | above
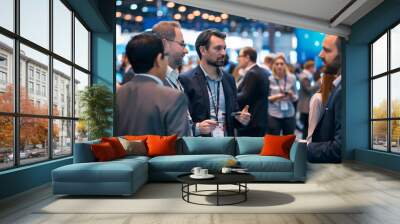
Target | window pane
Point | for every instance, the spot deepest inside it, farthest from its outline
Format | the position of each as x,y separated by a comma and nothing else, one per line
6,142
395,47
35,21
395,94
62,138
6,74
81,45
7,14
62,89
33,139
62,29
395,138
379,98
379,135
81,81
81,131
34,97
379,55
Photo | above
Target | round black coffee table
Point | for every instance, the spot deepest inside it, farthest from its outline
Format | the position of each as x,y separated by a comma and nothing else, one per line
238,179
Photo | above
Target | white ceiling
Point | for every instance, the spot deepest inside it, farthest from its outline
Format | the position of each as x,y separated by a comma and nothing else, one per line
318,15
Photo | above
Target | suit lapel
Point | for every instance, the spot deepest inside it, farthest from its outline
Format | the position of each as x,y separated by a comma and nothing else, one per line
201,79
246,77
227,91
331,100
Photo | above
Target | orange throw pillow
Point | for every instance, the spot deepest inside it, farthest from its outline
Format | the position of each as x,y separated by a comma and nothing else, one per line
116,145
275,145
103,151
161,145
135,137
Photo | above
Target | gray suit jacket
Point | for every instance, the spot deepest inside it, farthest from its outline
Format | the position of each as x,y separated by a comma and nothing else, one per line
144,107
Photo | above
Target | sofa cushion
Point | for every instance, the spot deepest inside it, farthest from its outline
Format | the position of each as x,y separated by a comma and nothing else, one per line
132,157
93,172
257,163
185,163
206,145
249,145
112,171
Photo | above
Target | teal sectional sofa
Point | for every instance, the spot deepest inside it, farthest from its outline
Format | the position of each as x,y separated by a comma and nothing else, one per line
125,176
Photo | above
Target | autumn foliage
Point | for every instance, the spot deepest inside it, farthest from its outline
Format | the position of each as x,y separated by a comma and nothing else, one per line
33,131
380,127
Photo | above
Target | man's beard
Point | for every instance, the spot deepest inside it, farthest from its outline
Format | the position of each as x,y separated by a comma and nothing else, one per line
216,63
334,67
178,61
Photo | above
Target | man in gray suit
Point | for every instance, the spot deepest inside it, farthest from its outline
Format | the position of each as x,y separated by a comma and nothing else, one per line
171,34
144,104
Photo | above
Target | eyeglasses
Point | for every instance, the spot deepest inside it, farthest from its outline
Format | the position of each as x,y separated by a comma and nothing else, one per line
182,44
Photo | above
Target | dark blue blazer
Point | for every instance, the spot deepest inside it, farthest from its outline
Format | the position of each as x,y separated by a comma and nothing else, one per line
327,137
195,84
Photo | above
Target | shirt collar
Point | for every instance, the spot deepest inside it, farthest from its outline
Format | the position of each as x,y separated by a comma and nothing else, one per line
155,78
172,74
307,73
208,76
249,67
337,81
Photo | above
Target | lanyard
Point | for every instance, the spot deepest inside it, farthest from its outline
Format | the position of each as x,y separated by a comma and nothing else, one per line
284,88
215,104
177,87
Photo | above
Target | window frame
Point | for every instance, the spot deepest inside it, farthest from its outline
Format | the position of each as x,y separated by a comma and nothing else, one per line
388,74
16,114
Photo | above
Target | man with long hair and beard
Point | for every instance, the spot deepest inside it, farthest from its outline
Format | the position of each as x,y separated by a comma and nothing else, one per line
211,92
326,140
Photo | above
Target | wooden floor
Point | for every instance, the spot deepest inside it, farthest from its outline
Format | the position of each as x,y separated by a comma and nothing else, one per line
377,188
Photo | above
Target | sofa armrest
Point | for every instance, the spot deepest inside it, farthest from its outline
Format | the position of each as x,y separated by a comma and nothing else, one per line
298,155
83,152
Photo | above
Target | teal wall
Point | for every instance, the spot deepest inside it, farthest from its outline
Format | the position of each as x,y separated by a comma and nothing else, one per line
24,178
103,59
97,15
357,85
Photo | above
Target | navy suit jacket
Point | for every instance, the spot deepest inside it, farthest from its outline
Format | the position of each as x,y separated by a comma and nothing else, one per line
327,138
253,91
195,84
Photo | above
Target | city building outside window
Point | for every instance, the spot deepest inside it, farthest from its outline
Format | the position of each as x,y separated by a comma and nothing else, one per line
3,72
52,134
385,95
30,87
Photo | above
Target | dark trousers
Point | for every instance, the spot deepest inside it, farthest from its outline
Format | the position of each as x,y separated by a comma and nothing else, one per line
304,121
251,132
276,125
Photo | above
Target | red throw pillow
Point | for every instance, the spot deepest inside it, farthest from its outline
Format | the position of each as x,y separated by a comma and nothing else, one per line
116,145
103,152
275,145
161,145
